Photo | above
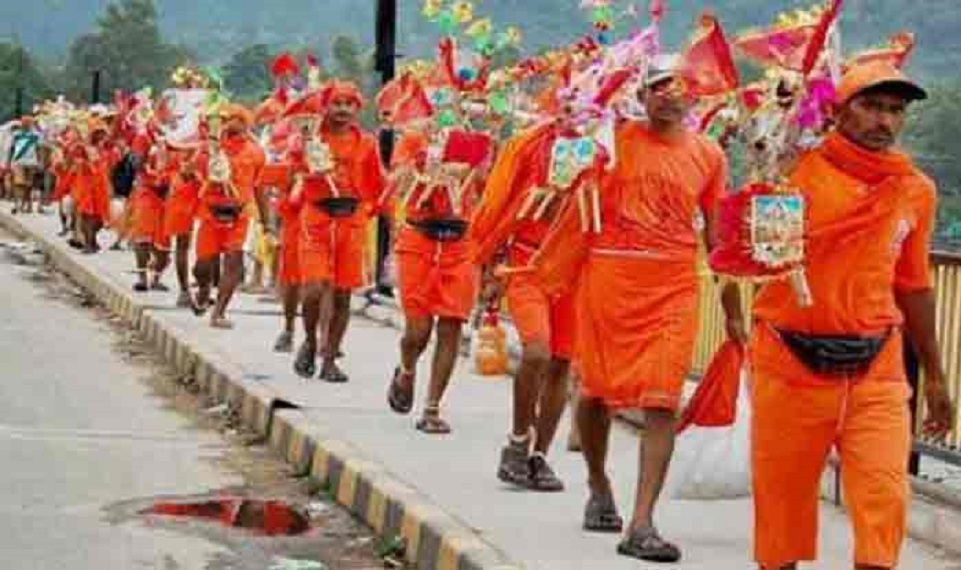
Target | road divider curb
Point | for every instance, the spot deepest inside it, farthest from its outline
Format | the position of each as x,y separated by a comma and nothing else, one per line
433,539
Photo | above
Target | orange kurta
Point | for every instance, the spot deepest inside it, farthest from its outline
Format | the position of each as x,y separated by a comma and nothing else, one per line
332,249
91,179
870,218
215,236
539,317
147,206
637,278
289,208
437,278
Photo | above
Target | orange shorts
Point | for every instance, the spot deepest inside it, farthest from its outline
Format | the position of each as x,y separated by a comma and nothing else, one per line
215,238
436,279
797,419
289,271
539,318
146,219
333,252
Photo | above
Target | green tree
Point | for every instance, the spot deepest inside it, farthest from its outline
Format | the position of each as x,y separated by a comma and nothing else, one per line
127,48
247,74
19,68
933,128
347,58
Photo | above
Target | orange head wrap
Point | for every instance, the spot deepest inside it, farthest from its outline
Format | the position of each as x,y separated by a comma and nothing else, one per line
237,111
337,89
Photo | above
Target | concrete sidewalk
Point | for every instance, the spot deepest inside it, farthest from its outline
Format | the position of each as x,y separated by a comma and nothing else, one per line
440,494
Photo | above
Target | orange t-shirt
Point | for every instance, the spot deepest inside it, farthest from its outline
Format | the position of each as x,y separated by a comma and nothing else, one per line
869,222
658,190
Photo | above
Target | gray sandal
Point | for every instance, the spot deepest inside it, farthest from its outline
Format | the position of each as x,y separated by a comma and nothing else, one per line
646,544
600,515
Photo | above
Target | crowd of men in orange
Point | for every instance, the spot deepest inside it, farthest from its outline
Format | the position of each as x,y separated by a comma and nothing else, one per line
620,303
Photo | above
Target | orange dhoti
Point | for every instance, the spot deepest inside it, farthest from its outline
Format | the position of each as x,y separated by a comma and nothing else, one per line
537,316
635,344
289,271
215,237
181,209
436,278
92,196
798,417
146,219
332,250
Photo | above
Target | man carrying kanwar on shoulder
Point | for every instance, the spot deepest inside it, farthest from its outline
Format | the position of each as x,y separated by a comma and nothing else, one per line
229,168
441,179
636,295
832,374
339,197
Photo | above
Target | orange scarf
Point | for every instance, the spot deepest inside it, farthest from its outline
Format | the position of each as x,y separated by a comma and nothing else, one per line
868,166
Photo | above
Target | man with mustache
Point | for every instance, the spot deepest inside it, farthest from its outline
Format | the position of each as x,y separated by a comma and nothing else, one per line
831,374
339,200
224,212
636,296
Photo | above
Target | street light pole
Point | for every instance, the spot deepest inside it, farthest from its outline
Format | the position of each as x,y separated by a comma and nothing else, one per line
386,63
18,97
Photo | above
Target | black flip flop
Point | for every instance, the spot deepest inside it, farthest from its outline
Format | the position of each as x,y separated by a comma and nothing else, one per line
400,398
305,364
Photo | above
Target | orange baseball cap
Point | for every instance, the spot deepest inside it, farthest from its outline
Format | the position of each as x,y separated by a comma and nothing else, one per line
877,74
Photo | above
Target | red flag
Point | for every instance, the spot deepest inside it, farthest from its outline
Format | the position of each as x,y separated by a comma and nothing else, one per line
714,403
783,47
708,67
820,37
657,10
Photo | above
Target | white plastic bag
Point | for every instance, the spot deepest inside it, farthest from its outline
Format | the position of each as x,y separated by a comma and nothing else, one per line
714,463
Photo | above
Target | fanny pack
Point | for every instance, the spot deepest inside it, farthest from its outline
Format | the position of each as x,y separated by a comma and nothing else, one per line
227,213
339,206
442,229
834,355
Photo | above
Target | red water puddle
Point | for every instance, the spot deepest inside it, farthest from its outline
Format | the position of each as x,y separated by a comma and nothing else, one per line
271,518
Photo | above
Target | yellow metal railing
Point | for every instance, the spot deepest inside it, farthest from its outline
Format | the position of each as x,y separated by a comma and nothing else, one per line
947,284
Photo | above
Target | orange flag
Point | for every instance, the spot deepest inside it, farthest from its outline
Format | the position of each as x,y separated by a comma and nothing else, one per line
708,64
820,36
714,403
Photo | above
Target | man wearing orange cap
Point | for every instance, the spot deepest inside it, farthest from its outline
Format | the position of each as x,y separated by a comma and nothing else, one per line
437,276
339,198
230,169
637,290
831,374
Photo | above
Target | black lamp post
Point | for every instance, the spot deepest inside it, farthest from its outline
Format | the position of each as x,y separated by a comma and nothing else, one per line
18,95
385,62
95,88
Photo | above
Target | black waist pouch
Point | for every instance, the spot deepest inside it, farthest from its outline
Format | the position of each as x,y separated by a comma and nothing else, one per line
338,206
442,229
227,213
834,355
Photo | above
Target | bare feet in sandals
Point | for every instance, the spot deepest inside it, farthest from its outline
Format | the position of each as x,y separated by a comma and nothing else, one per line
646,544
400,395
600,514
431,422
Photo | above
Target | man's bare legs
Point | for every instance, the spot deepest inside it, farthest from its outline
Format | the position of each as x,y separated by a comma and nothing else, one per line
290,297
141,252
316,313
655,450
161,260
333,340
413,343
445,356
182,266
230,279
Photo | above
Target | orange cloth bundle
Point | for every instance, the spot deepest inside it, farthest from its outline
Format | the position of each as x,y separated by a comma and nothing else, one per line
490,352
